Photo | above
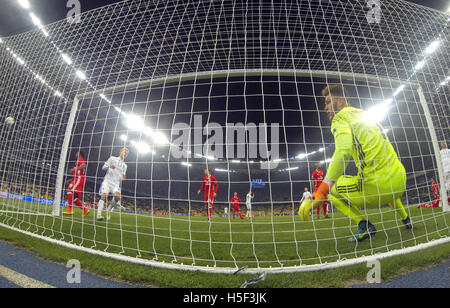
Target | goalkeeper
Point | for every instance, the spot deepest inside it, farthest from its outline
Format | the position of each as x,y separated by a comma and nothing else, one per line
381,176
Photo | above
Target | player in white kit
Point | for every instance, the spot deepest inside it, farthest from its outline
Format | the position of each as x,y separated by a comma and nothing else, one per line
116,170
306,195
248,203
445,157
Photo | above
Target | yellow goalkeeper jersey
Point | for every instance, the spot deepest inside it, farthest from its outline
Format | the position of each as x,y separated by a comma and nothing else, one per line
366,142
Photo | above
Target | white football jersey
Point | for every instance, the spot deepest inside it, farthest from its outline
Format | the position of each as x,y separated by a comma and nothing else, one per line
249,198
306,195
115,175
445,156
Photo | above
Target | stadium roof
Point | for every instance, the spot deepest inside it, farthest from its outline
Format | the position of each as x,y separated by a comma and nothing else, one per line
13,21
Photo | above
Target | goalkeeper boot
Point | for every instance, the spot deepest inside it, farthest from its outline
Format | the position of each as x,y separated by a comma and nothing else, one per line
100,218
365,229
408,224
68,212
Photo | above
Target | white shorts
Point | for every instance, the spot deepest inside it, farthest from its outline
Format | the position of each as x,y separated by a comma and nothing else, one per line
108,187
249,206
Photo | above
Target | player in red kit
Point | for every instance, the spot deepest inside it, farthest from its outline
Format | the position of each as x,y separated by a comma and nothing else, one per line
76,185
437,197
235,202
211,187
317,176
435,188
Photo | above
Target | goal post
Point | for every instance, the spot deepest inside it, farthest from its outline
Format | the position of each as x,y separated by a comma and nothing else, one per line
436,148
221,101
59,187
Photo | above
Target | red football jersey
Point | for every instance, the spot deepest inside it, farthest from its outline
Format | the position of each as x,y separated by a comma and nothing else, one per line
318,176
235,200
209,184
79,173
435,187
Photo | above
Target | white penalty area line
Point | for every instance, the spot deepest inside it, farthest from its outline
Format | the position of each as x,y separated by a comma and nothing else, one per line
25,213
22,280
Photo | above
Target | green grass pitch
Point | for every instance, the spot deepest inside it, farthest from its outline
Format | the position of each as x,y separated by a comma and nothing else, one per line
265,242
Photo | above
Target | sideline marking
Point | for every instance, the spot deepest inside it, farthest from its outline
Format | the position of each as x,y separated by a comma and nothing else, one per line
22,280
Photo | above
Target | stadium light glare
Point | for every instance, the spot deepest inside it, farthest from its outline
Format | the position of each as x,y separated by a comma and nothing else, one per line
302,156
24,4
432,47
420,65
235,161
148,131
81,75
58,94
186,164
377,113
222,170
66,59
160,139
1,41
134,122
321,149
290,169
142,147
124,137
36,20
399,89
20,60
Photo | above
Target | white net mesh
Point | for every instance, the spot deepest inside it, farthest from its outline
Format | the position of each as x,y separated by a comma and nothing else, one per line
234,87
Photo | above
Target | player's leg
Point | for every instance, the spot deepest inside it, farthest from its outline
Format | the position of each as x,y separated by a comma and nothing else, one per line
78,194
210,205
325,209
207,204
347,196
104,192
114,204
69,199
78,197
101,205
318,212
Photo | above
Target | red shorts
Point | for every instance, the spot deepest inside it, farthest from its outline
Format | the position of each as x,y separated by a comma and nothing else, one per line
76,187
236,208
316,187
209,199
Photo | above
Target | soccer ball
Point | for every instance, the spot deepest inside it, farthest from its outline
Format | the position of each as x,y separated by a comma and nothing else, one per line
9,121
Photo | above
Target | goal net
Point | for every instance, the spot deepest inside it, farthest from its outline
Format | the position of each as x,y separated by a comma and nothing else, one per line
235,88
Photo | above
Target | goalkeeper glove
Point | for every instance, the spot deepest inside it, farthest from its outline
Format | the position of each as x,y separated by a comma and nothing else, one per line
319,196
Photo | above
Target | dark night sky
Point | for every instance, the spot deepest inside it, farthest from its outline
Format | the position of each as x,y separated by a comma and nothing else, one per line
14,21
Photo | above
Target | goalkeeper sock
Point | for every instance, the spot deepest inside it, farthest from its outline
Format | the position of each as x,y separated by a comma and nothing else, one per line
347,210
101,204
400,209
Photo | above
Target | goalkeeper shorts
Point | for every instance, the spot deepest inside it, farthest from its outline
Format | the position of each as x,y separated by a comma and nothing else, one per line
369,193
